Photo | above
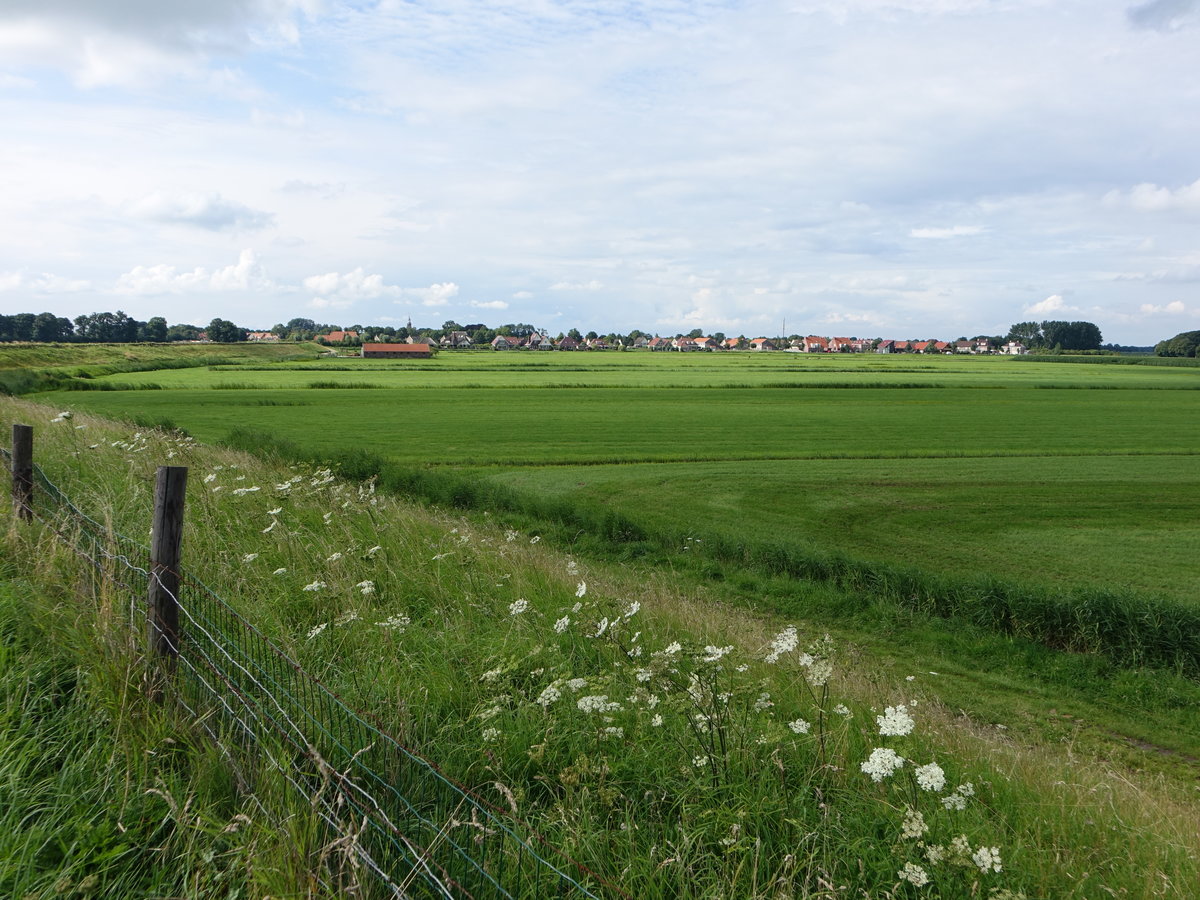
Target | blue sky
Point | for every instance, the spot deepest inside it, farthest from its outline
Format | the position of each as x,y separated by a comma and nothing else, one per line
914,168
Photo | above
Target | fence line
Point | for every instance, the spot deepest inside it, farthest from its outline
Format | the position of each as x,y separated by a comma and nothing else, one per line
393,814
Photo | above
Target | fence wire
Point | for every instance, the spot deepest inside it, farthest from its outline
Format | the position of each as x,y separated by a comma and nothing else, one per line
397,824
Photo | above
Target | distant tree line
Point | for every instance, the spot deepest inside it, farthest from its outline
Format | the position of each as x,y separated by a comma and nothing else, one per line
1186,343
110,328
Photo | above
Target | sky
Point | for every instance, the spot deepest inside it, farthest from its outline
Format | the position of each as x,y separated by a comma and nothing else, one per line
872,168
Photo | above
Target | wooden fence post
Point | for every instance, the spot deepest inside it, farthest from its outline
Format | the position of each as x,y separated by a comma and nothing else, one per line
22,471
165,541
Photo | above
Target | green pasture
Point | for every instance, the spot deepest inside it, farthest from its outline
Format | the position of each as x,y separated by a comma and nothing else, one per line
642,369
1095,487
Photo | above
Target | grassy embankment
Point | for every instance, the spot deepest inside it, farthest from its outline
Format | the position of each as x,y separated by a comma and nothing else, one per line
692,777
25,368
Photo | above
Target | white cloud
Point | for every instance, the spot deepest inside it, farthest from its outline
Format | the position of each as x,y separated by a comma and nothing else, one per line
942,233
490,304
209,211
1052,304
1148,197
523,295
45,283
1174,308
352,286
576,286
247,274
434,295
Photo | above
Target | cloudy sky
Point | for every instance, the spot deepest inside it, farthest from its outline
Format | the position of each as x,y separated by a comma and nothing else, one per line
895,168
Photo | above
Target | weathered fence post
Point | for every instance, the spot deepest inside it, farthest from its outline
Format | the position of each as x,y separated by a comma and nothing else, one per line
165,541
22,471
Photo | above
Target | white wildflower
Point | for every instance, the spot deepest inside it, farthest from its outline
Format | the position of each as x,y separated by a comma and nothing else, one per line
274,512
954,802
562,624
334,557
819,672
614,731
517,607
327,518
895,721
582,589
347,617
249,557
270,527
280,571
366,587
699,761
842,710
713,653
657,721
597,703
535,539
672,648
577,684
572,567
799,726
631,611
371,553
550,694
642,674
914,825
914,875
784,642
491,675
987,858
510,536
491,735
931,777
763,703
317,629
396,623
935,853
602,627
882,762
316,586
210,477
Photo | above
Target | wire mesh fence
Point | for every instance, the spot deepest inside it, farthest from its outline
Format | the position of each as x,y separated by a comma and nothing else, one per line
402,827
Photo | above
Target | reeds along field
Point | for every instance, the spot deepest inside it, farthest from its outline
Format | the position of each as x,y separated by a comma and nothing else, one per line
673,745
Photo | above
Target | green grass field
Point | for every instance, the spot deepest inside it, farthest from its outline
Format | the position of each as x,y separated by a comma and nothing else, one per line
957,466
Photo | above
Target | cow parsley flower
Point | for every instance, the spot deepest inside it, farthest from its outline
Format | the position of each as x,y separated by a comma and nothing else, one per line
372,551
535,539
914,875
280,571
784,642
632,610
882,763
366,587
614,731
843,710
577,684
395,623
657,721
490,735
270,527
987,858
582,589
597,703
317,629
333,557
249,557
210,477
699,761
316,586
672,648
517,607
274,512
713,653
799,726
895,722
763,703
913,825
931,777
562,624
550,694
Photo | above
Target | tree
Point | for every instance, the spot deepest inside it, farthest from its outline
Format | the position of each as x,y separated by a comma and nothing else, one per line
154,331
222,331
574,335
1027,333
183,332
695,333
51,328
1186,343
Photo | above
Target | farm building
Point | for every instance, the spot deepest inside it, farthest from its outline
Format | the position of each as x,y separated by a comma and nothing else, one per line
396,351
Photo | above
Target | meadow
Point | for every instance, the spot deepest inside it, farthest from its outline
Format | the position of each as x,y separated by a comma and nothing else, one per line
1055,474
674,739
